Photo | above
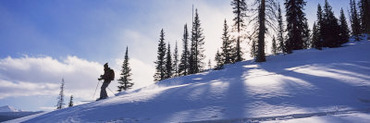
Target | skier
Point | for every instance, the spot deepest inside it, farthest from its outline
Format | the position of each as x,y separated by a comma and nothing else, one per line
108,77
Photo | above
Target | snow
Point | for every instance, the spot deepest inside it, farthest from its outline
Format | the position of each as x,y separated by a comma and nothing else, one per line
331,85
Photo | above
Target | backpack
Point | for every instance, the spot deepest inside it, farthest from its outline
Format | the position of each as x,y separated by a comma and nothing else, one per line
111,74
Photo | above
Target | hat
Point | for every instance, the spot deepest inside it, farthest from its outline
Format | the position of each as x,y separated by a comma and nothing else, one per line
106,65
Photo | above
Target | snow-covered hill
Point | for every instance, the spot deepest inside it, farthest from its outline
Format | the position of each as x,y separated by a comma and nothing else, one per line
308,83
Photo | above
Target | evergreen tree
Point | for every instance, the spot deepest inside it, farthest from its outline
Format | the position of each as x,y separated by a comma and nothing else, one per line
219,61
355,21
227,49
274,47
125,79
169,64
254,49
280,37
264,18
364,6
184,61
296,25
344,31
315,37
209,64
175,61
60,103
197,49
307,35
239,9
330,27
160,63
70,101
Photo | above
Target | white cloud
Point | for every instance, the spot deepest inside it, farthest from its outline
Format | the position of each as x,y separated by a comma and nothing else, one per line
28,76
31,76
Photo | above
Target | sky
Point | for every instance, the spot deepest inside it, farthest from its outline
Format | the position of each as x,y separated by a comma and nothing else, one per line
43,41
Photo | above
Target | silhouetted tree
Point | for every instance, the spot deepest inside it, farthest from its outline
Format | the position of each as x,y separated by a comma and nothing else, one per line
226,48
219,61
364,6
70,101
175,62
330,27
355,21
239,10
60,103
160,63
197,49
168,64
344,31
281,31
125,80
274,47
209,64
264,17
296,25
317,33
315,37
184,61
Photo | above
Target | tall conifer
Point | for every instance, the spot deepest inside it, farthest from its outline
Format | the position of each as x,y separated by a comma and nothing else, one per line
160,62
344,31
184,61
296,23
168,63
125,80
197,49
239,10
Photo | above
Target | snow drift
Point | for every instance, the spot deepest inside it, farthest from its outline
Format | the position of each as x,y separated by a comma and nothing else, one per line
305,83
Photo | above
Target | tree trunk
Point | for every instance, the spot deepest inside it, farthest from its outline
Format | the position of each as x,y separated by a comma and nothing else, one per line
261,35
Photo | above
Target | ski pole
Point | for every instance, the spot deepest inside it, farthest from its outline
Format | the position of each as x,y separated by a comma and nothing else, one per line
111,91
96,89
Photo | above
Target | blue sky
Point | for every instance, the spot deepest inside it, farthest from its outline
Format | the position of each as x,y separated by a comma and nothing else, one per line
43,41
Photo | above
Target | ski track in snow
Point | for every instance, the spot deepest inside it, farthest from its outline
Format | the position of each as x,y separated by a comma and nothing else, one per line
308,83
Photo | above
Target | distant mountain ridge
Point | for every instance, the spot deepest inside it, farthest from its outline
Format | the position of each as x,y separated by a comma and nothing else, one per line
8,108
8,113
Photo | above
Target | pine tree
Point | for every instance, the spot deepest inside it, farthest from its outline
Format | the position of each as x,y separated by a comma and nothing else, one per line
280,37
184,61
226,48
307,35
125,79
209,64
364,6
315,37
239,9
175,61
219,61
70,101
169,64
344,31
355,21
274,47
60,103
329,27
253,48
264,19
296,25
160,63
197,49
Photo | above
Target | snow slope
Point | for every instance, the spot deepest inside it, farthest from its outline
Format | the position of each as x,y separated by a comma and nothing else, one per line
332,83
